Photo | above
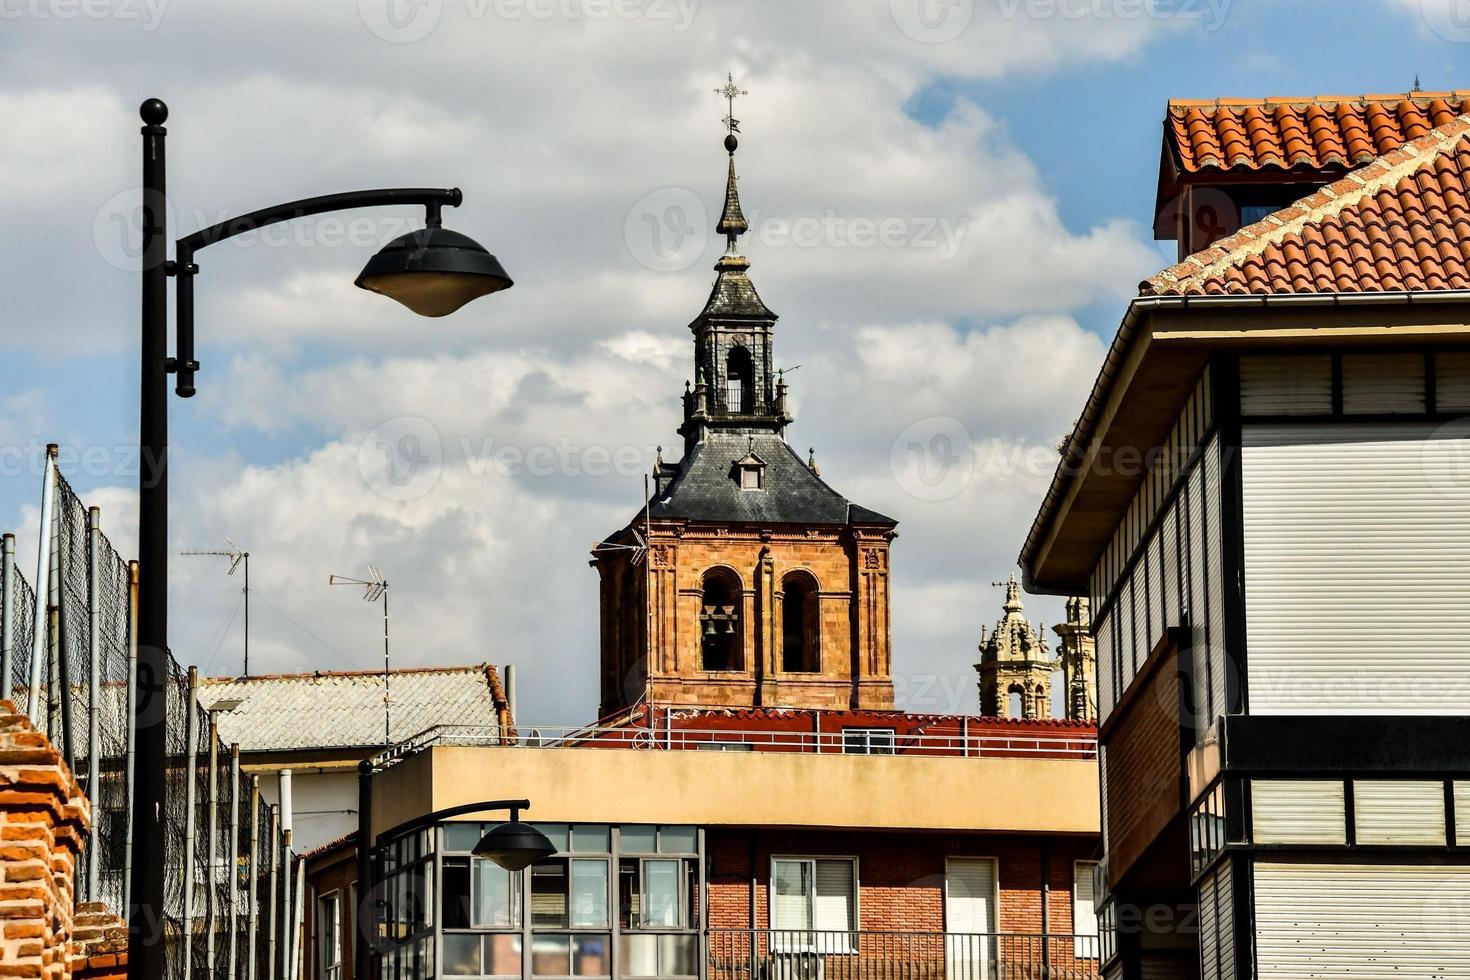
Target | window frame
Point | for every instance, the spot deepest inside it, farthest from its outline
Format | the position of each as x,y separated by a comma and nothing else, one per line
326,970
866,733
847,947
1086,945
995,889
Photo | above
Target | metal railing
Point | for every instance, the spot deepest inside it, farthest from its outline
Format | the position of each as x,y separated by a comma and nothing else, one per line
983,744
779,954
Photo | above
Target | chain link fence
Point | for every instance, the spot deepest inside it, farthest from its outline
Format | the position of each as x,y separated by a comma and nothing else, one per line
225,915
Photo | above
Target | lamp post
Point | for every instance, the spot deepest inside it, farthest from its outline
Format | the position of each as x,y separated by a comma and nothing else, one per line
432,271
512,845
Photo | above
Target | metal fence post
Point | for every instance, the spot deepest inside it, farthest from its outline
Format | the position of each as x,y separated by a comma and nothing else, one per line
212,842
130,726
288,949
252,909
7,613
39,648
191,777
94,687
271,917
232,871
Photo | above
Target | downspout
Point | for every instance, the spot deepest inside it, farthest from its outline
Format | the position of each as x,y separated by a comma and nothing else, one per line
361,952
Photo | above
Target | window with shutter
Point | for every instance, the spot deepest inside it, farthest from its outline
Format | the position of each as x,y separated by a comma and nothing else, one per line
814,904
1084,910
969,918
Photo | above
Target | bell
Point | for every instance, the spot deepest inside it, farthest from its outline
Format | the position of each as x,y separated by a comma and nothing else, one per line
729,627
709,627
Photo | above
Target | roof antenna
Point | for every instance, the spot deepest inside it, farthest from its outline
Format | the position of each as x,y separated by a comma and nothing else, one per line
1416,87
375,587
238,557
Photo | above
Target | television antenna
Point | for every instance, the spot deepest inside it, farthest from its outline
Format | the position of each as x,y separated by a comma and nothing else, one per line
239,558
375,587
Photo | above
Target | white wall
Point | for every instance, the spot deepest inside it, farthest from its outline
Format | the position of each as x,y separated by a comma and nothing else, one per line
325,804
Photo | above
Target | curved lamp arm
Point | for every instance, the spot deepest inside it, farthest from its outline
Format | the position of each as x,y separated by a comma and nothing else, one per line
184,269
514,806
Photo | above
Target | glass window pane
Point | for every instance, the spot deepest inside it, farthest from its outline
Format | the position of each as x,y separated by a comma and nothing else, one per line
495,896
791,907
677,956
503,955
557,833
660,905
590,839
640,956
549,894
638,840
454,894
677,840
551,956
461,955
589,892
590,956
462,836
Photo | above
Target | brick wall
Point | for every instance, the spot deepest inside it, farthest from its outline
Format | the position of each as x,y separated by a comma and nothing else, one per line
900,875
44,820
1144,767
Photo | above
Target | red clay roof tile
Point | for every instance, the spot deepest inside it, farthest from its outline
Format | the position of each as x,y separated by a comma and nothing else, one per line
1401,221
1316,132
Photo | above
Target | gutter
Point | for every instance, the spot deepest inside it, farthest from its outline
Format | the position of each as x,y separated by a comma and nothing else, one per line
1138,307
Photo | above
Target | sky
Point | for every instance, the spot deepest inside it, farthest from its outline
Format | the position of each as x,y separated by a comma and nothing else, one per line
950,205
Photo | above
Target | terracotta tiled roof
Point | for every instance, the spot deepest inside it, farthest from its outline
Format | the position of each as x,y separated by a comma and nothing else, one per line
1400,223
1321,132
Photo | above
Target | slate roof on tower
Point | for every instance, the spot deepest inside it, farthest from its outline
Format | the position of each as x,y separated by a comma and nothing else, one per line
707,489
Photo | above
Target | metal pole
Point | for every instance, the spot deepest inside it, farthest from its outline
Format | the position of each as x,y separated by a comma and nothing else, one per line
232,862
387,702
212,841
298,921
191,778
7,613
94,689
132,737
145,913
61,631
286,825
270,931
252,907
362,917
247,614
39,648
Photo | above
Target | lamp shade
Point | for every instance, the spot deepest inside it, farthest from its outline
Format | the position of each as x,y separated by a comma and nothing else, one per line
433,271
514,845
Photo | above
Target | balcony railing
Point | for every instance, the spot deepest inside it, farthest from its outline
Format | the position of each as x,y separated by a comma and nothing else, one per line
775,954
959,741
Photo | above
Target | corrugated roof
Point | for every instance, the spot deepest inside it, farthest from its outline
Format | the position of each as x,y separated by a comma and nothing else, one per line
1402,222
344,709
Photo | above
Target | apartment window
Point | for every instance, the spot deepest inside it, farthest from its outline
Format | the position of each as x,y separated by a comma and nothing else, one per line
329,936
867,741
1084,910
814,903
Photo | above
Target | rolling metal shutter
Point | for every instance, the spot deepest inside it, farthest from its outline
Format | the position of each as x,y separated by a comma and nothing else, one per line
1361,920
1357,537
1382,383
1287,384
1105,647
1298,811
1214,616
1209,930
1398,811
1462,813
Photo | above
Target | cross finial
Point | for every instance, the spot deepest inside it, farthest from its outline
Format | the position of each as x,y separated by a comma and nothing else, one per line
730,91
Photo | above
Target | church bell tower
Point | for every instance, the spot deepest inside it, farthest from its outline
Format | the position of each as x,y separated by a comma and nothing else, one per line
746,581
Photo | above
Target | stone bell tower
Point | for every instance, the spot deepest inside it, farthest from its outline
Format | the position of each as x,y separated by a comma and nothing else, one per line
1014,660
1079,660
747,580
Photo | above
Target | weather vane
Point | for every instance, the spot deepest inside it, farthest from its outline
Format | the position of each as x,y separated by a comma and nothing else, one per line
730,91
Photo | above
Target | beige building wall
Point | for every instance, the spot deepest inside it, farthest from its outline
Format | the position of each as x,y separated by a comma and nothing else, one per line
775,789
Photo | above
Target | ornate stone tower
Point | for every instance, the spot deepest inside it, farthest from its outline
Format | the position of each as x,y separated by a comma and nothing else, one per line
1079,660
746,580
1014,660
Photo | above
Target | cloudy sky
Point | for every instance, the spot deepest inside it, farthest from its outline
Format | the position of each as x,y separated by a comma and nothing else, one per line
950,204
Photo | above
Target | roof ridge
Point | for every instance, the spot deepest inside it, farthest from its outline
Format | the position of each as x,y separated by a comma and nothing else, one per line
1382,172
319,674
1220,102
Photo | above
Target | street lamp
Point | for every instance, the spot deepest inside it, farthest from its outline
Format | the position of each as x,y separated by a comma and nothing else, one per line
432,271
